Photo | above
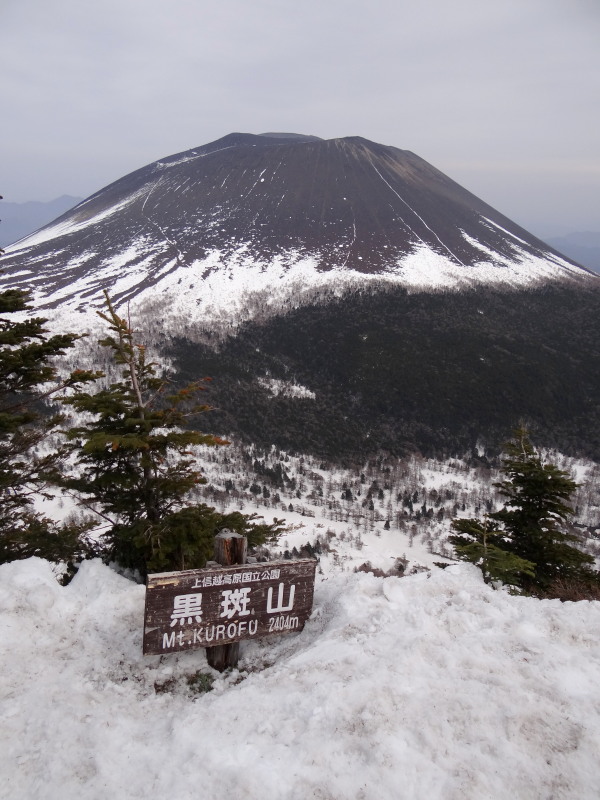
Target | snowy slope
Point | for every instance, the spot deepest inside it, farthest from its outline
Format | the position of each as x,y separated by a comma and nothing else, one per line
431,687
238,227
348,532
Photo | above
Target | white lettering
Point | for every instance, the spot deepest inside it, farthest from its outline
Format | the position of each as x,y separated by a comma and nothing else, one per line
283,623
186,606
214,633
280,606
235,601
168,640
197,635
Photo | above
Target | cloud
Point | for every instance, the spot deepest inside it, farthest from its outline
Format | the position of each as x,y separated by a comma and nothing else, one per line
93,90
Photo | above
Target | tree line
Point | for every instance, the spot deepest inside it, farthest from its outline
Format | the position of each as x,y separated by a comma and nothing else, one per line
421,372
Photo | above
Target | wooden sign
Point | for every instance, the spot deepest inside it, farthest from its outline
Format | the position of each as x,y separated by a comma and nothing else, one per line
209,607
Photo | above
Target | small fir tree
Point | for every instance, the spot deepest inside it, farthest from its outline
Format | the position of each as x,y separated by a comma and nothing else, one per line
482,544
28,379
526,543
535,515
135,465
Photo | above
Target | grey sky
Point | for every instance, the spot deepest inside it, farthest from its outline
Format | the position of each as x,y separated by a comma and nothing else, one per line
503,97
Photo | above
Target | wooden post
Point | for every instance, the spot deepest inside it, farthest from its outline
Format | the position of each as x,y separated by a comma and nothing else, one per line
230,549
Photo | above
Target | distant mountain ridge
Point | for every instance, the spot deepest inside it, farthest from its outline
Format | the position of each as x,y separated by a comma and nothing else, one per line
21,219
581,246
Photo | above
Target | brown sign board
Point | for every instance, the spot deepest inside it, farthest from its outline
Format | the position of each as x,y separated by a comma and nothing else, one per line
208,607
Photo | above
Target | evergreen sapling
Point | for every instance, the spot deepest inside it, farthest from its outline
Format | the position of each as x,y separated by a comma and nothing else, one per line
527,542
135,467
29,380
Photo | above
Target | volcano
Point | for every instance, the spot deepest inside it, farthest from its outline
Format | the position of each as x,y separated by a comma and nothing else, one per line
249,221
346,297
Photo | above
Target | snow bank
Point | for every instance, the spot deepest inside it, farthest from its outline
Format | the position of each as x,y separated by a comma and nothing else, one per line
431,686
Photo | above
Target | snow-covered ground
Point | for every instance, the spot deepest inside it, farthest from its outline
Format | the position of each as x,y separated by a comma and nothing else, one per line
394,508
397,508
431,686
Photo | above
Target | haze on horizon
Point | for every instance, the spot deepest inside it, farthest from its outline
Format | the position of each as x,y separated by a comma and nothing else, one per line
500,97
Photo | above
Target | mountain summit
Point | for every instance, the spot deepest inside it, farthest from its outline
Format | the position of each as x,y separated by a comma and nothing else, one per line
273,216
346,297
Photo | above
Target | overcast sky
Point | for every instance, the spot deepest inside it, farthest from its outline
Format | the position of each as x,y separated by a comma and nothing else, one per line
503,97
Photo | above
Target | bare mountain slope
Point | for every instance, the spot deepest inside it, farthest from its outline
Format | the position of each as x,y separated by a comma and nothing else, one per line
274,216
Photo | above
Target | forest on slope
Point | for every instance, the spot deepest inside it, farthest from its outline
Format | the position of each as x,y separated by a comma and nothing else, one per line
437,373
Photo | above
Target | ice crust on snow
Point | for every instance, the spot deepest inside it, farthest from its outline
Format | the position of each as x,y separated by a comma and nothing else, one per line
432,687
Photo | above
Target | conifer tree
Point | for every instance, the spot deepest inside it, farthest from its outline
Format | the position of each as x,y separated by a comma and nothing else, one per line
135,467
536,512
526,543
481,543
29,378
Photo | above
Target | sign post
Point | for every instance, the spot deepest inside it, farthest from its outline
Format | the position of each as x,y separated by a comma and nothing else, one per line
225,605
230,548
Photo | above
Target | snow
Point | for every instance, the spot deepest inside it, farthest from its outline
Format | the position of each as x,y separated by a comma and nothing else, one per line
71,225
286,388
225,288
500,228
430,686
349,533
221,292
420,218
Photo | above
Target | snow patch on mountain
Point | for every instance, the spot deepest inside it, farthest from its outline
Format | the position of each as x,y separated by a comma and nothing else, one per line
286,389
493,224
75,223
220,292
